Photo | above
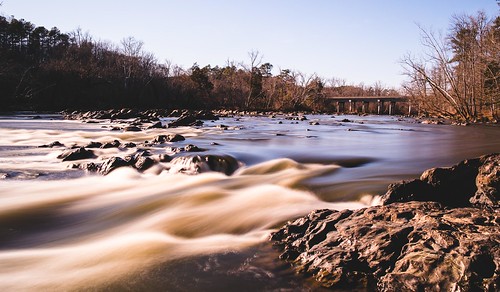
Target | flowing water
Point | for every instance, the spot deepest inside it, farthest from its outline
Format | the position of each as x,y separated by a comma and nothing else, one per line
64,229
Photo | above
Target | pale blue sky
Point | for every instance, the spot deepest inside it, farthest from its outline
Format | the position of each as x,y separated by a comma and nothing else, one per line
357,40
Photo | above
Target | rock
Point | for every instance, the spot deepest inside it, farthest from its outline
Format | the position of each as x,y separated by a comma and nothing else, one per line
52,145
472,181
164,158
436,233
204,163
132,128
76,154
193,148
157,125
168,138
93,144
144,162
488,182
346,121
185,121
414,190
414,246
129,145
187,148
112,144
112,164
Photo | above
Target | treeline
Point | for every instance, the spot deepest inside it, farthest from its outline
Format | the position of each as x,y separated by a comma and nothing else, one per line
45,69
460,75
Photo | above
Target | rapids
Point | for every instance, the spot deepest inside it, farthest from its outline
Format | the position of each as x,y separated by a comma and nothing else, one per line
64,229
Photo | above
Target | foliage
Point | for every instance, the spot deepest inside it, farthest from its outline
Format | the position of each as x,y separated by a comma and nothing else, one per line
460,76
49,70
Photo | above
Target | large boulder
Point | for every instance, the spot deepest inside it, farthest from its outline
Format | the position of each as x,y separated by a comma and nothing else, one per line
472,181
436,233
414,246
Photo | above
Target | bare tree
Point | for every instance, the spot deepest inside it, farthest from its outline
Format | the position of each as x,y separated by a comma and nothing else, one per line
454,69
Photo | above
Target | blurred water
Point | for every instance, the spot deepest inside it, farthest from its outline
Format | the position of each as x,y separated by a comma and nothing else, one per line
64,229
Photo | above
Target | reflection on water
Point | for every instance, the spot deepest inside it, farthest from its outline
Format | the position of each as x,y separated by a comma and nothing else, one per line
64,229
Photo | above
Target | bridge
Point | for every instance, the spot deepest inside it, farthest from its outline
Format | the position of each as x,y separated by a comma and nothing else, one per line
371,104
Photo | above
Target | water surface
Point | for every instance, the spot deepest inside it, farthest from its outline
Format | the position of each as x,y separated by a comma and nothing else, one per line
65,229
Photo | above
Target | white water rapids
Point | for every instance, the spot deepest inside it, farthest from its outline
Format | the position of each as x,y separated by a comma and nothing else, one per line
63,229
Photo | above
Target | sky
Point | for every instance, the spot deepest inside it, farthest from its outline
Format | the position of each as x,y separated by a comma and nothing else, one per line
360,41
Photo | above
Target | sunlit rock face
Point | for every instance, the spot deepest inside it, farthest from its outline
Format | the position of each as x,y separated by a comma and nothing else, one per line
409,245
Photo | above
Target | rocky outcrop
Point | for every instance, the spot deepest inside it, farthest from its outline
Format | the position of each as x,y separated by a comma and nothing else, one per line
472,181
415,246
438,233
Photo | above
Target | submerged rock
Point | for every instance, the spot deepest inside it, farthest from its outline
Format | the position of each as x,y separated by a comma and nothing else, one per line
423,239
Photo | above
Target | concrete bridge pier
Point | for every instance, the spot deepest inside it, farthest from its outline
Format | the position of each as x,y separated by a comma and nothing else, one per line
340,107
365,106
392,106
380,106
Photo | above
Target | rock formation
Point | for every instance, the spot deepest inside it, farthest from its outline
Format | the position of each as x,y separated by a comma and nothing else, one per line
438,233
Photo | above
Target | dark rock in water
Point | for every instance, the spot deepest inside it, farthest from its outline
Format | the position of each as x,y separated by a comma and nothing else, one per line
414,246
112,164
192,118
414,190
187,120
129,145
157,125
346,121
182,121
168,138
204,163
193,148
470,181
90,167
144,162
52,145
112,144
423,239
205,115
187,148
164,158
93,144
132,129
76,154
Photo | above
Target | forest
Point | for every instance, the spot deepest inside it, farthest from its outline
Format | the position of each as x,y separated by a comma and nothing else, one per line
459,74
45,69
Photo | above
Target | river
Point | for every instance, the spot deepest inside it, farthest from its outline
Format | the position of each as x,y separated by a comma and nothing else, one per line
65,229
